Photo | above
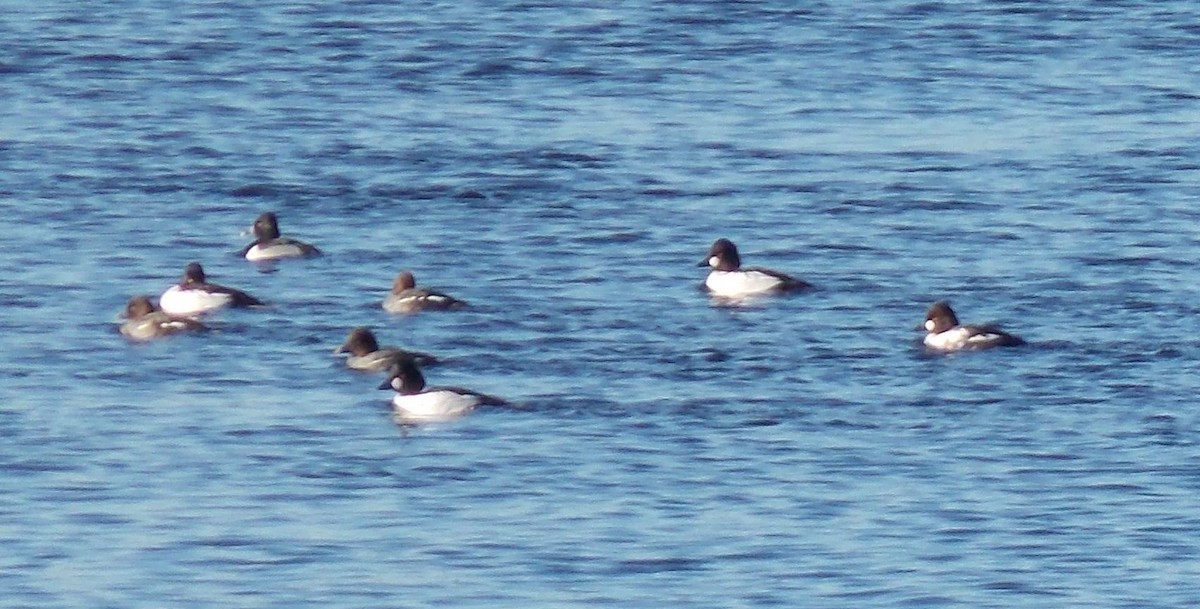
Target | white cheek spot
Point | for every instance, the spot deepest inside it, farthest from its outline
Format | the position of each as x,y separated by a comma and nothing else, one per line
714,261
929,325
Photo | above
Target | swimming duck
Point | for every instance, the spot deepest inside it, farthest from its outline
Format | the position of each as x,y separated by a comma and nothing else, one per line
415,401
728,279
269,245
366,354
405,297
143,321
946,334
195,296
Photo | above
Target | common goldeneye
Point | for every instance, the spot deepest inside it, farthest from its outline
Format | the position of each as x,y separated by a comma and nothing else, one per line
945,333
728,279
405,297
366,354
268,245
143,321
194,295
415,401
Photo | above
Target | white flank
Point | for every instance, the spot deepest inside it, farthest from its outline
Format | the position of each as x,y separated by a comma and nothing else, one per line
955,338
434,405
273,251
178,301
740,283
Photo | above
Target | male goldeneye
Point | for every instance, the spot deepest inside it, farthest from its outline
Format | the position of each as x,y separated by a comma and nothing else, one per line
730,280
414,401
145,322
268,245
945,333
407,298
194,296
366,354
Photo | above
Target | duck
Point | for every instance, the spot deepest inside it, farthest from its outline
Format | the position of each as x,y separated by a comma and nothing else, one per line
406,297
729,280
945,334
195,296
414,401
144,321
269,245
366,354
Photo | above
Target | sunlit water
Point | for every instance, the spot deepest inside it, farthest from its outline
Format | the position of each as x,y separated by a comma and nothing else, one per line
563,167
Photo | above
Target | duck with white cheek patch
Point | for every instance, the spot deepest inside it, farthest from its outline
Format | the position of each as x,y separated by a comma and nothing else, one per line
268,244
944,333
416,402
728,279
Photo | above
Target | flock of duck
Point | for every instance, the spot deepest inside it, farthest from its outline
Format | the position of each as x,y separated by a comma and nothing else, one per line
181,307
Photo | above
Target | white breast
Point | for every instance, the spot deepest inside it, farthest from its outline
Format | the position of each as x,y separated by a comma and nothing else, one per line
434,405
178,301
740,283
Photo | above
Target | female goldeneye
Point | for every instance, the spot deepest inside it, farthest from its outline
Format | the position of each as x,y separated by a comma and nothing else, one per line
407,298
194,296
414,401
268,245
729,280
366,354
945,333
145,322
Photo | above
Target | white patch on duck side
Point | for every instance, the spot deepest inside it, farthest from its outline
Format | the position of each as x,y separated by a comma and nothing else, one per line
438,404
396,303
178,301
954,338
741,283
271,251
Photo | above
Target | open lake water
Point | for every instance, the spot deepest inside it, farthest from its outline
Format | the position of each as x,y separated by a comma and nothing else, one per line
563,166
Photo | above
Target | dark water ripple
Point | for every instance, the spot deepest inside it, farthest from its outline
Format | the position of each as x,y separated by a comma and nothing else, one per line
563,166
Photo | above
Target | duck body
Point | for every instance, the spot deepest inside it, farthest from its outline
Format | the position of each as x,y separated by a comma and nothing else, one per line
366,354
195,296
729,279
406,297
143,321
945,333
268,244
416,402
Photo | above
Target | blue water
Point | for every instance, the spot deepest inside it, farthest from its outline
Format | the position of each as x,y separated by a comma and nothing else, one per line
564,166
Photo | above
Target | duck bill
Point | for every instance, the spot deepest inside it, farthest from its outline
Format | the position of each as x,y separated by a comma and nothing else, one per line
385,385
